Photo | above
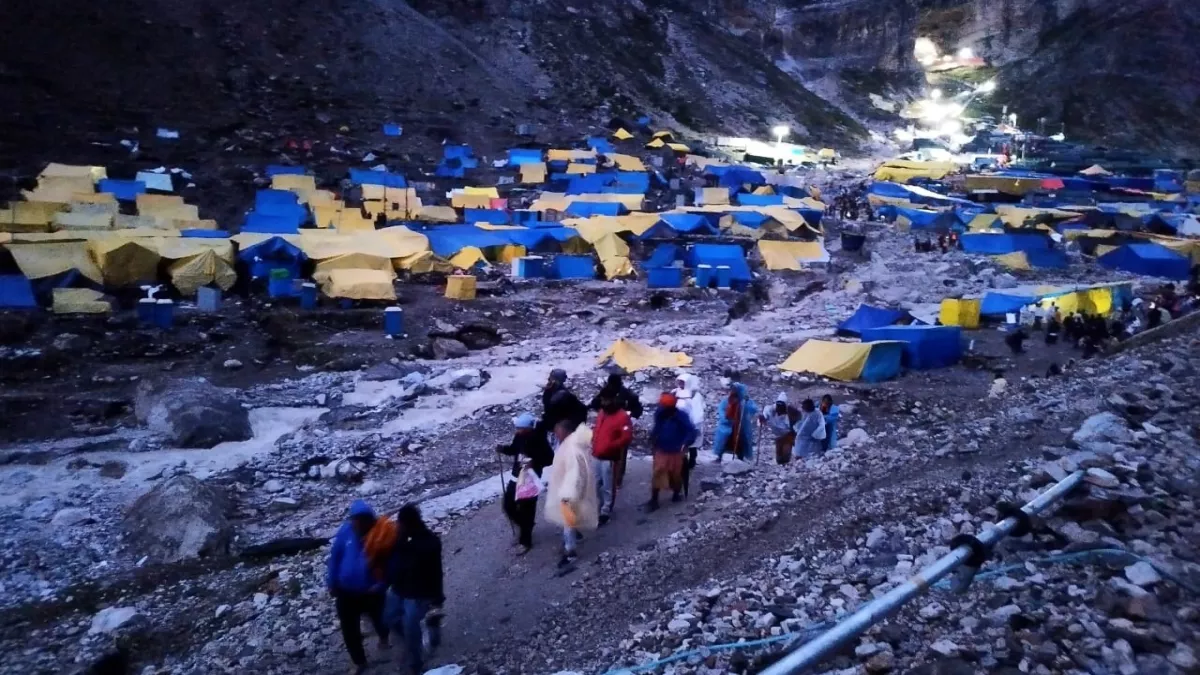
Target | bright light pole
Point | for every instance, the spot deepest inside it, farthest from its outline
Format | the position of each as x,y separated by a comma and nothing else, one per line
779,132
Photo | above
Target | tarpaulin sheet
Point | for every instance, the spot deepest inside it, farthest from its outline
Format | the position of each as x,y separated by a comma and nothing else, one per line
283,170
352,261
492,216
622,135
791,255
294,182
60,189
270,224
156,181
717,255
55,170
925,347
993,244
747,199
846,361
589,209
38,261
866,317
626,162
919,219
125,262
369,177
599,144
689,223
450,239
518,156
124,190
467,258
83,220
273,253
633,356
712,195
736,176
359,284
664,255
16,292
79,301
189,273
462,151
1149,259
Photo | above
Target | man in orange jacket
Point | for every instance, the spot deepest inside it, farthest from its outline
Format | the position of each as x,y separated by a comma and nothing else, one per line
611,438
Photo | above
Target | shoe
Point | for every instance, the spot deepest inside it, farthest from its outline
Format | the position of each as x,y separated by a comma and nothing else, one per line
567,560
676,498
604,519
650,506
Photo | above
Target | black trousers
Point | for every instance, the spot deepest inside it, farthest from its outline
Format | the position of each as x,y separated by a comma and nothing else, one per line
350,609
522,513
689,463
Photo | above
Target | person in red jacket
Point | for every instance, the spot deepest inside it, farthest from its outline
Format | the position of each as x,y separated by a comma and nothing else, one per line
612,436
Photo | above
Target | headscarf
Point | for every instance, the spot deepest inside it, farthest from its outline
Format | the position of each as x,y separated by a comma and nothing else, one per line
524,421
667,400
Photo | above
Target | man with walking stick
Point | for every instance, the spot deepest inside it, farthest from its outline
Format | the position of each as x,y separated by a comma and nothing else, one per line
530,452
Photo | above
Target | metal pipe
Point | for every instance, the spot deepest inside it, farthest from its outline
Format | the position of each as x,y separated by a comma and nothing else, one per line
812,652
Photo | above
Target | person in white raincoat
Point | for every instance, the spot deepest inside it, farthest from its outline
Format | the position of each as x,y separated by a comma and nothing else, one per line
690,400
571,499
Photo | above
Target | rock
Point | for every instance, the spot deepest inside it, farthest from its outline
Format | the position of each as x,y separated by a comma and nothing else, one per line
447,348
1142,573
113,468
1122,598
1101,478
273,486
110,619
284,504
382,372
413,379
191,413
222,610
1184,657
880,663
932,611
765,621
678,625
232,364
854,437
71,517
1001,615
1004,280
1105,426
70,342
736,467
345,469
876,538
370,487
41,509
945,648
180,518
466,379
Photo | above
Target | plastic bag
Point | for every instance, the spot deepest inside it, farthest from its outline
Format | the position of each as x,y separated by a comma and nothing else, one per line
818,434
528,485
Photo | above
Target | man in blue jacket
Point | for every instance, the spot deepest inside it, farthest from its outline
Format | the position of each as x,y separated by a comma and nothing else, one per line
353,585
672,434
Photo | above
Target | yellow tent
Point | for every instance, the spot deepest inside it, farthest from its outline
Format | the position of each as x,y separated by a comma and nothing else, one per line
984,221
764,190
827,153
580,168
789,255
199,262
1096,170
79,301
489,192
634,356
83,220
902,171
533,173
54,170
294,182
467,258
166,207
838,360
1015,216
437,214
352,261
622,135
511,252
1017,260
1004,184
29,216
655,144
960,312
38,261
359,284
714,195
424,262
60,189
464,200
664,135
569,155
125,262
460,287
626,162
679,147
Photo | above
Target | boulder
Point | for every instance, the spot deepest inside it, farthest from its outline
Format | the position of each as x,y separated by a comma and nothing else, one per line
180,518
71,517
447,348
1103,427
110,619
856,436
736,467
466,379
41,509
191,413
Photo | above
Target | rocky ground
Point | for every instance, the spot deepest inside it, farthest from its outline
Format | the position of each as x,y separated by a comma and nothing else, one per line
142,537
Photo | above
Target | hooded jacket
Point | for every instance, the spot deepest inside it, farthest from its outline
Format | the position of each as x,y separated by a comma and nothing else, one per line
615,388
831,426
690,393
348,569
725,425
614,433
560,404
673,431
805,444
415,568
532,445
572,481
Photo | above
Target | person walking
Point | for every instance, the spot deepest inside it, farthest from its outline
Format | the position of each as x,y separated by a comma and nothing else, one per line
571,499
832,414
559,403
780,420
690,400
810,430
416,590
531,454
610,442
355,589
735,431
673,432
628,401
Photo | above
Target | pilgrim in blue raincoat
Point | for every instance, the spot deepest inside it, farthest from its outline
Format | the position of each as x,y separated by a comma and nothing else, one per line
735,428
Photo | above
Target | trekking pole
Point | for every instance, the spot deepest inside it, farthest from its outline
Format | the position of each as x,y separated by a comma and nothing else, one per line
511,526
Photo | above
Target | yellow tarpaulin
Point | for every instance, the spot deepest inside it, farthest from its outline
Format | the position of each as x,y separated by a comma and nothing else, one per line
1004,184
83,220
166,207
38,261
569,155
616,266
902,171
326,216
437,214
764,190
679,147
714,195
984,221
551,201
201,269
510,253
59,190
294,182
53,170
790,255
837,360
79,301
460,287
462,200
125,222
424,262
827,153
533,173
352,261
351,221
35,213
359,284
489,192
633,356
579,168
126,262
655,144
960,312
467,258
626,162
1015,216
1017,260
622,135
665,135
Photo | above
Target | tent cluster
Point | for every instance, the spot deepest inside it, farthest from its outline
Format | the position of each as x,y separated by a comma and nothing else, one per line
1025,217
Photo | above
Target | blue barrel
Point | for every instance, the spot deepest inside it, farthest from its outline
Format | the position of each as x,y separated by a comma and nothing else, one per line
724,276
308,296
704,276
279,288
145,310
393,321
164,313
664,277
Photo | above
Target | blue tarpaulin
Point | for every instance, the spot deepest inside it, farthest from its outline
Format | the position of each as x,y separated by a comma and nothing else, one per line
446,240
599,144
123,190
517,156
490,216
747,199
998,244
811,216
392,129
925,347
573,267
749,218
16,292
883,362
450,168
1148,259
867,316
716,255
689,223
736,176
284,170
266,223
1047,259
204,234
589,209
619,182
664,255
369,177
271,254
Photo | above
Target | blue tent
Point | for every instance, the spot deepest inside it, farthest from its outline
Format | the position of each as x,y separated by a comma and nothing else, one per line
1047,259
16,292
664,255
271,254
589,209
717,255
866,317
369,177
490,216
921,219
689,223
518,156
284,170
747,199
450,168
736,176
275,212
752,219
998,244
998,303
1147,259
811,216
265,223
599,144
883,362
123,190
925,347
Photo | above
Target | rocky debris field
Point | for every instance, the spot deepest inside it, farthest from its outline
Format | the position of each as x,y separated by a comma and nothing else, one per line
167,541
